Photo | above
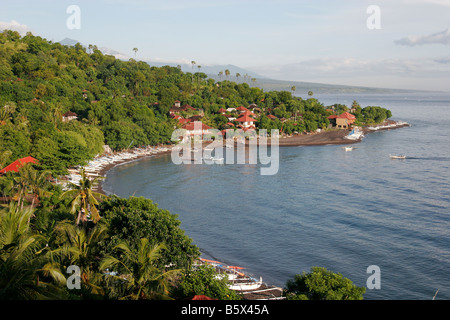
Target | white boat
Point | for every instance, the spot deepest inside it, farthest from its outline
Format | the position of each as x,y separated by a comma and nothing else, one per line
349,148
355,134
398,157
244,286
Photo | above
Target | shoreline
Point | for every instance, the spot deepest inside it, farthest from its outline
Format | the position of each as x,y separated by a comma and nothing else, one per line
262,290
329,137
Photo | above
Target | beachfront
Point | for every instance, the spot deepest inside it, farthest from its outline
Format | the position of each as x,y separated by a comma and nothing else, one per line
100,165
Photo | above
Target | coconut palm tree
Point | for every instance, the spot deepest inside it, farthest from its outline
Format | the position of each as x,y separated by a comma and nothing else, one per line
27,270
135,51
193,63
36,182
84,198
80,249
139,276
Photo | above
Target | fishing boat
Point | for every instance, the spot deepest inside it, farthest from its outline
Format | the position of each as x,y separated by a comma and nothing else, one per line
398,157
246,284
355,134
349,148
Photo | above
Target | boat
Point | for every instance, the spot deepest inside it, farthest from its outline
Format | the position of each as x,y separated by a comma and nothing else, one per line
398,157
246,284
355,134
349,148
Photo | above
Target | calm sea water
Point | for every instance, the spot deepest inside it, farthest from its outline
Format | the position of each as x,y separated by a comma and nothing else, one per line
325,207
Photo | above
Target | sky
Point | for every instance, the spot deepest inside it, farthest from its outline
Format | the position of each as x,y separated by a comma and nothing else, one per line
402,44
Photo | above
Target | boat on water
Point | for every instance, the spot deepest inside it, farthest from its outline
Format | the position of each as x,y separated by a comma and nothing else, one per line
355,134
349,148
398,157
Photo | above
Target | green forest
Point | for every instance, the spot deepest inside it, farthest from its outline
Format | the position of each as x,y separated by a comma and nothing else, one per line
121,103
124,248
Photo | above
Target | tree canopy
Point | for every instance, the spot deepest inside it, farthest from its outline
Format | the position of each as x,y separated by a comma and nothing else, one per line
321,284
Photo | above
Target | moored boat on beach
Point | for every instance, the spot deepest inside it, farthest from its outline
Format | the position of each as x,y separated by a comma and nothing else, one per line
246,284
355,134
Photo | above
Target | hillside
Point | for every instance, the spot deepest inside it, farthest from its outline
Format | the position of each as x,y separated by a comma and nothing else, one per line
122,104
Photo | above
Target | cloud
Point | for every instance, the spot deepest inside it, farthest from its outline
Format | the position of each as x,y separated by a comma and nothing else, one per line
15,26
442,37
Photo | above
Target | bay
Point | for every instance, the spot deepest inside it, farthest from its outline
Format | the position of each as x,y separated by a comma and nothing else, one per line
325,207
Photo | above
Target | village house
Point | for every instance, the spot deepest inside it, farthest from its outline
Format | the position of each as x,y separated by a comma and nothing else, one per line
242,109
343,121
69,116
246,121
16,165
195,129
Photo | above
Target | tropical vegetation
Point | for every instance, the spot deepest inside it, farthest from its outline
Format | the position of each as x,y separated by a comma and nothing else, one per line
123,248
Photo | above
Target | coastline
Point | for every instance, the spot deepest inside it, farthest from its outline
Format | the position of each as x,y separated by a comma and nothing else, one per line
261,290
329,137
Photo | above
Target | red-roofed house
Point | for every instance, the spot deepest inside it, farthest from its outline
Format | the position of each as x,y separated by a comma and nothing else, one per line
242,109
196,128
16,165
183,121
344,120
246,121
68,116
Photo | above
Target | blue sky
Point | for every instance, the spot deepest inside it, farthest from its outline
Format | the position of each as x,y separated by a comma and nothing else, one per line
320,41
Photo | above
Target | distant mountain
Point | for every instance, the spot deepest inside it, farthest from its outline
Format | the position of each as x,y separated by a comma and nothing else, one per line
104,50
116,54
302,87
68,42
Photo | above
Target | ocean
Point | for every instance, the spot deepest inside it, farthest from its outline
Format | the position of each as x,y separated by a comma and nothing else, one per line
344,211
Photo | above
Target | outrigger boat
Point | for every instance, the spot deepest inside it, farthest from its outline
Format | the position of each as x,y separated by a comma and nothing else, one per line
245,284
249,287
398,157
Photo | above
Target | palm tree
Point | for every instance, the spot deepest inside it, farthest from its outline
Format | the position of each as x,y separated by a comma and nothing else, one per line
193,63
80,248
135,51
227,73
141,278
237,76
198,75
24,259
35,181
310,93
84,199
